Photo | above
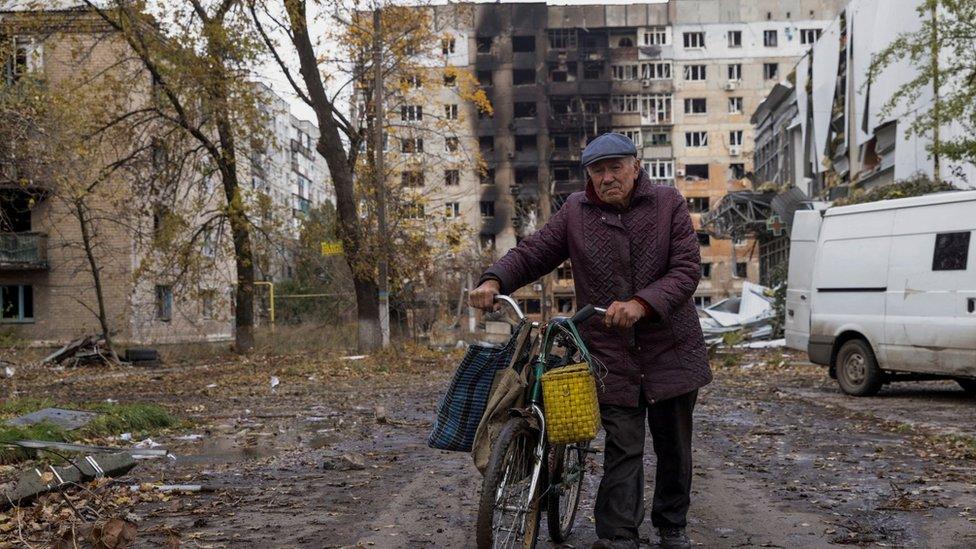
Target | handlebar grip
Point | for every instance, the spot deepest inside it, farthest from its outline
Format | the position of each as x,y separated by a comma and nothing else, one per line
583,314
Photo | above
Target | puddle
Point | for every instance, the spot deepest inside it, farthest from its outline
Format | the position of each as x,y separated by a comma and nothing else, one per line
228,450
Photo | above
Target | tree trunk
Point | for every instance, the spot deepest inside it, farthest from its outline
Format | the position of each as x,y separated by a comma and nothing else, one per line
330,146
86,240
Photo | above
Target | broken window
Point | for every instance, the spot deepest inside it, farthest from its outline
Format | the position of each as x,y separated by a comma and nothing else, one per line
452,209
656,109
592,71
413,178
26,58
951,251
635,136
694,72
593,106
484,78
411,209
487,177
770,38
694,40
560,142
562,39
741,270
451,112
735,138
656,36
625,103
770,71
524,109
562,72
487,208
656,71
698,204
164,303
735,105
696,171
561,174
737,170
451,144
521,77
659,138
659,169
706,270
703,301
696,139
483,43
623,72
524,142
625,42
525,176
704,239
486,143
735,71
16,303
735,39
448,45
450,80
409,113
809,36
487,241
561,106
523,44
410,145
452,178
695,105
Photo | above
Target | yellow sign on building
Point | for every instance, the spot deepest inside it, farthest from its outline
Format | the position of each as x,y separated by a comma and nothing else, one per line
331,247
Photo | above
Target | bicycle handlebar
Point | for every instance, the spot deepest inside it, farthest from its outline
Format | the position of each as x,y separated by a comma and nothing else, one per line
586,312
511,303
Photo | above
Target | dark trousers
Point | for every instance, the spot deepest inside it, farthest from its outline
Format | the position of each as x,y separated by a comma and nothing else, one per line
620,500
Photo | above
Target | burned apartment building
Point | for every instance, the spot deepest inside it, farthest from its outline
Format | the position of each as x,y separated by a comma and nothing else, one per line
680,78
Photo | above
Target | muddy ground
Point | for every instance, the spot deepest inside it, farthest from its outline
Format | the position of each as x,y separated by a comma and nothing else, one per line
335,456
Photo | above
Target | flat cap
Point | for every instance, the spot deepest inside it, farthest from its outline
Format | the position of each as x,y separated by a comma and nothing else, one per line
608,145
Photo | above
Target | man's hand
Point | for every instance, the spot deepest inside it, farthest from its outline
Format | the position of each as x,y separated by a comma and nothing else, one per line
483,297
623,314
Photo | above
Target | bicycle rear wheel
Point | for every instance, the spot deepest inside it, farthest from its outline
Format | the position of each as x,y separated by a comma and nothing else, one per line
508,513
566,468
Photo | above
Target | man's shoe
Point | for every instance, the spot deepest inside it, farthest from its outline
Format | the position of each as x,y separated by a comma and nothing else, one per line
615,543
674,538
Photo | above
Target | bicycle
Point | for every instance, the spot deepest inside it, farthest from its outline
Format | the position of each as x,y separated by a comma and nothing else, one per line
522,461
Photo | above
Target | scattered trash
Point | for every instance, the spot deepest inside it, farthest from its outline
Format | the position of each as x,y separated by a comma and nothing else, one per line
147,487
275,381
751,314
211,386
147,443
354,357
66,419
768,344
191,437
111,401
345,462
125,437
8,371
33,482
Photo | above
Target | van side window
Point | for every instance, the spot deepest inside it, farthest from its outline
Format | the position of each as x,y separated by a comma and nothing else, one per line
951,251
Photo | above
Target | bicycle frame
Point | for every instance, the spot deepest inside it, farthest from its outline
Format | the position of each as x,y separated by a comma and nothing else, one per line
539,365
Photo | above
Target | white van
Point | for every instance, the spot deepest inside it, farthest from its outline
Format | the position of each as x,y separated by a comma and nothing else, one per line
886,291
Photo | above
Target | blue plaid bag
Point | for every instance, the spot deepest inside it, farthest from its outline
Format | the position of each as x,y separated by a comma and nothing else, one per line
460,409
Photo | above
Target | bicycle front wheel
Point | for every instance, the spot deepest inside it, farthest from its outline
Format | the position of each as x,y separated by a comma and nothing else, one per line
508,514
567,463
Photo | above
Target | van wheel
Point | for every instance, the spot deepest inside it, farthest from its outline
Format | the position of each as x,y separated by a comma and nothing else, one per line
857,369
968,385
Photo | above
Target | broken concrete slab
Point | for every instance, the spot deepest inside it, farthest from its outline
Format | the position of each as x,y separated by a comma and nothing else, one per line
71,447
35,481
66,419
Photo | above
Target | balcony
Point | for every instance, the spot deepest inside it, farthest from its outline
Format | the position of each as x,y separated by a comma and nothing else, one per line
23,252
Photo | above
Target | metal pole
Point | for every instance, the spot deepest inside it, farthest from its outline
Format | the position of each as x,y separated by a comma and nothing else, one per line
936,107
380,176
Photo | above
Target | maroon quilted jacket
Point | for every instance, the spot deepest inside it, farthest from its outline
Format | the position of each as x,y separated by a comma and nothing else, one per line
649,251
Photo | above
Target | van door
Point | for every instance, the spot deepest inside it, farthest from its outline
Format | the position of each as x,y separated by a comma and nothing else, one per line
931,290
803,250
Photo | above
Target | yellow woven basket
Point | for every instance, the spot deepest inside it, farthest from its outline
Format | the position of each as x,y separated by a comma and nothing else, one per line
571,407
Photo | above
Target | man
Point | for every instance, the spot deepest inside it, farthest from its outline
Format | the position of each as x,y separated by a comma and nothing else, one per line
634,251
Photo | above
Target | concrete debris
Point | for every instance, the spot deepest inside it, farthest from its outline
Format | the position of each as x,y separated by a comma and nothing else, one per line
72,447
66,419
34,481
82,351
751,314
8,371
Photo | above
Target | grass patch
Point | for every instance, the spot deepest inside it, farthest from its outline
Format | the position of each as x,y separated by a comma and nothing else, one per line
138,419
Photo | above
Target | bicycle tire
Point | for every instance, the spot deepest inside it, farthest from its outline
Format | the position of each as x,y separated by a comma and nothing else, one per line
513,452
565,491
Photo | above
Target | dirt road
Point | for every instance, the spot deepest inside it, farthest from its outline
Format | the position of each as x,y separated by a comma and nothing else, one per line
335,456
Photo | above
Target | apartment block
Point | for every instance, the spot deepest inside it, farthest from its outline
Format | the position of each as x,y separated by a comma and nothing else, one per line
47,292
680,78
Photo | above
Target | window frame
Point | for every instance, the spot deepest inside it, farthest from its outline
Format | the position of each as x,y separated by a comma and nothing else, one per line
963,245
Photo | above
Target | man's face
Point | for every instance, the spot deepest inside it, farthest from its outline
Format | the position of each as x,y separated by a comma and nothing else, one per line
613,179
